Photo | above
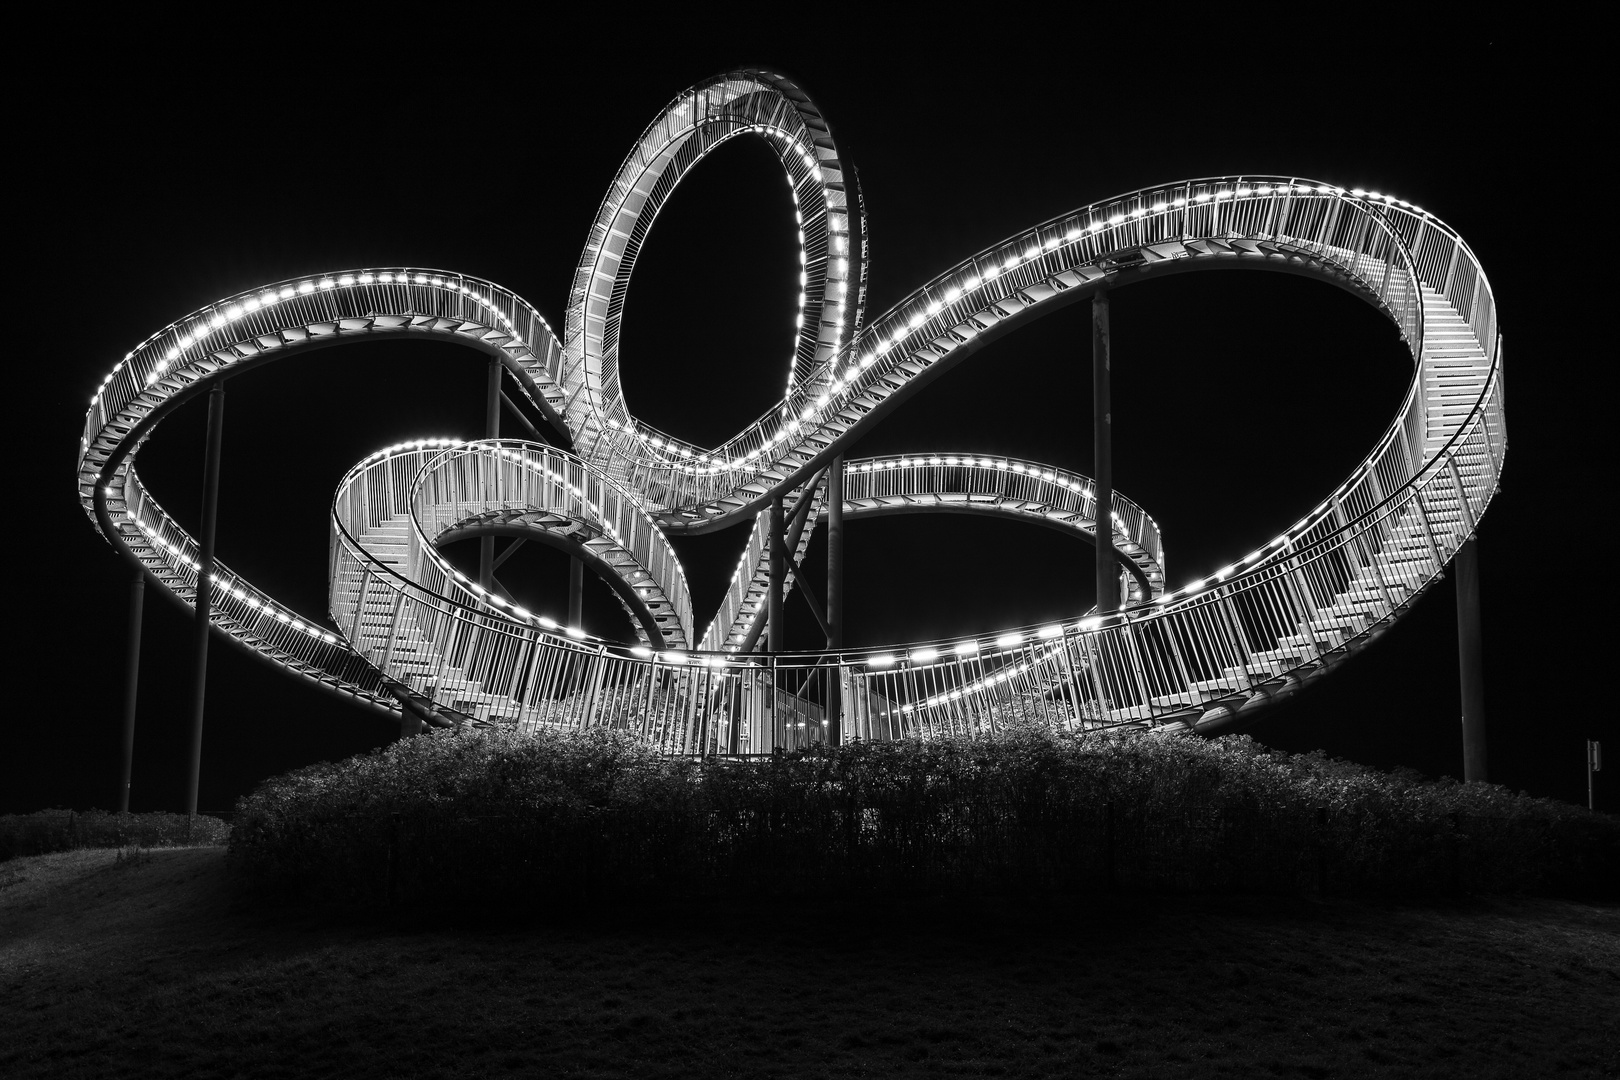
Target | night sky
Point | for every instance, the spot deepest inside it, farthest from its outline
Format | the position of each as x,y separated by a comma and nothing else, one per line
160,178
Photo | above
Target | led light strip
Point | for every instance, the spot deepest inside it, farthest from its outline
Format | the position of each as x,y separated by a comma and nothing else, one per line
924,329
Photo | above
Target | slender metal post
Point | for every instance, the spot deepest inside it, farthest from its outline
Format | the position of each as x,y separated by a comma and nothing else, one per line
1103,444
576,593
492,430
773,605
205,573
132,679
1591,767
1471,661
835,597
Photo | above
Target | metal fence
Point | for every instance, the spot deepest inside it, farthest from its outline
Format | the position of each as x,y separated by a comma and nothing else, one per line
1253,633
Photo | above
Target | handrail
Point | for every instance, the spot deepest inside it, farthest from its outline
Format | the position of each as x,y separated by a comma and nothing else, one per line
1195,657
998,271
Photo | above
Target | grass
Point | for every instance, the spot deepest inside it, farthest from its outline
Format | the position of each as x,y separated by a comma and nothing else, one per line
45,831
151,964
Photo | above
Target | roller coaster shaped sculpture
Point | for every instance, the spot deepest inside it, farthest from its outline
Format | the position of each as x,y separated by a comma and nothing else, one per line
412,637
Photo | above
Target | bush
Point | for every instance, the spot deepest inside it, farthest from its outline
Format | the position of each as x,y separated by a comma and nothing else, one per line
573,818
64,830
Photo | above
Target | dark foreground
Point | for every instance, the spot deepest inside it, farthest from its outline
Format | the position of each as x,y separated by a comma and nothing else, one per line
148,967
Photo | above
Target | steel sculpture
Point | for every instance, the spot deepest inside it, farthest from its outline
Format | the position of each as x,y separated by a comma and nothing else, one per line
413,638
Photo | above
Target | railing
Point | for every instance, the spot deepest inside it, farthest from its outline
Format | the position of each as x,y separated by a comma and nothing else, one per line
745,598
933,482
1277,618
985,480
485,479
1293,215
1258,630
744,102
238,609
1313,599
250,327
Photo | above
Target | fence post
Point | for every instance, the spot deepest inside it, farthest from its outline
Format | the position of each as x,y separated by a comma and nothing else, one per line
132,678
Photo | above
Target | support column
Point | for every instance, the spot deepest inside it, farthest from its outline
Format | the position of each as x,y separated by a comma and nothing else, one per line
774,636
576,593
835,597
1103,453
132,680
492,430
205,587
1471,660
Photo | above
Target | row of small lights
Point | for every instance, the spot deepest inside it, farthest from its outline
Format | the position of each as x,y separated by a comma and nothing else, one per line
1257,555
517,610
838,258
926,654
412,445
1261,553
233,311
518,457
270,608
843,381
838,241
1004,675
963,462
1001,465
922,655
929,655
956,292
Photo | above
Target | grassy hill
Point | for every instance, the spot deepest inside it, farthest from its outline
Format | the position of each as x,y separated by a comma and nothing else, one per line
151,965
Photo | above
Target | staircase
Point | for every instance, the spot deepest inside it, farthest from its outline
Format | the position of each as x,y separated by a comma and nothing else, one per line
393,640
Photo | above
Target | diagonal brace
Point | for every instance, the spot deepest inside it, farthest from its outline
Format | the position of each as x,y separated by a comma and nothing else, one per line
801,512
524,420
507,554
809,597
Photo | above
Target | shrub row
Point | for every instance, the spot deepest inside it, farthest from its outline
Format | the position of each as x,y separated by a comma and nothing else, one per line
64,830
579,818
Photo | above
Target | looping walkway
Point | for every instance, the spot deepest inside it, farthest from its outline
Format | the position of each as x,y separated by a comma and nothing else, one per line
406,627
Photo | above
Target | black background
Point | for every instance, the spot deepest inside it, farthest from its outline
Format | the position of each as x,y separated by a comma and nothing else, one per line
163,167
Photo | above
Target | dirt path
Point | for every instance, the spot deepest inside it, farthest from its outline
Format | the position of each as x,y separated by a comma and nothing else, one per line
144,968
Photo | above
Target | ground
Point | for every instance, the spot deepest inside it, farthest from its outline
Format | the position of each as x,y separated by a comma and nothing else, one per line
151,965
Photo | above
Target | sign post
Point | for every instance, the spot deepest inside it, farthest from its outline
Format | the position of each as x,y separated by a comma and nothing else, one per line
1594,763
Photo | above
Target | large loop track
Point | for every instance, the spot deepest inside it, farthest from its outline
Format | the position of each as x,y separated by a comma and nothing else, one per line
409,632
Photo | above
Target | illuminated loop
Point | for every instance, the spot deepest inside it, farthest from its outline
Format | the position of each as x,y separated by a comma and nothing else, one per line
750,103
409,632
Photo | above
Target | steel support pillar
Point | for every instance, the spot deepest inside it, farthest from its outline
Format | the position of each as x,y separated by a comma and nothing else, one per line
1471,660
205,588
774,636
1103,452
132,681
835,597
576,593
492,430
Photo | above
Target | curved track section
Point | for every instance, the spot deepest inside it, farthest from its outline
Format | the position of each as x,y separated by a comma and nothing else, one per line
407,628
525,490
831,245
952,484
256,327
